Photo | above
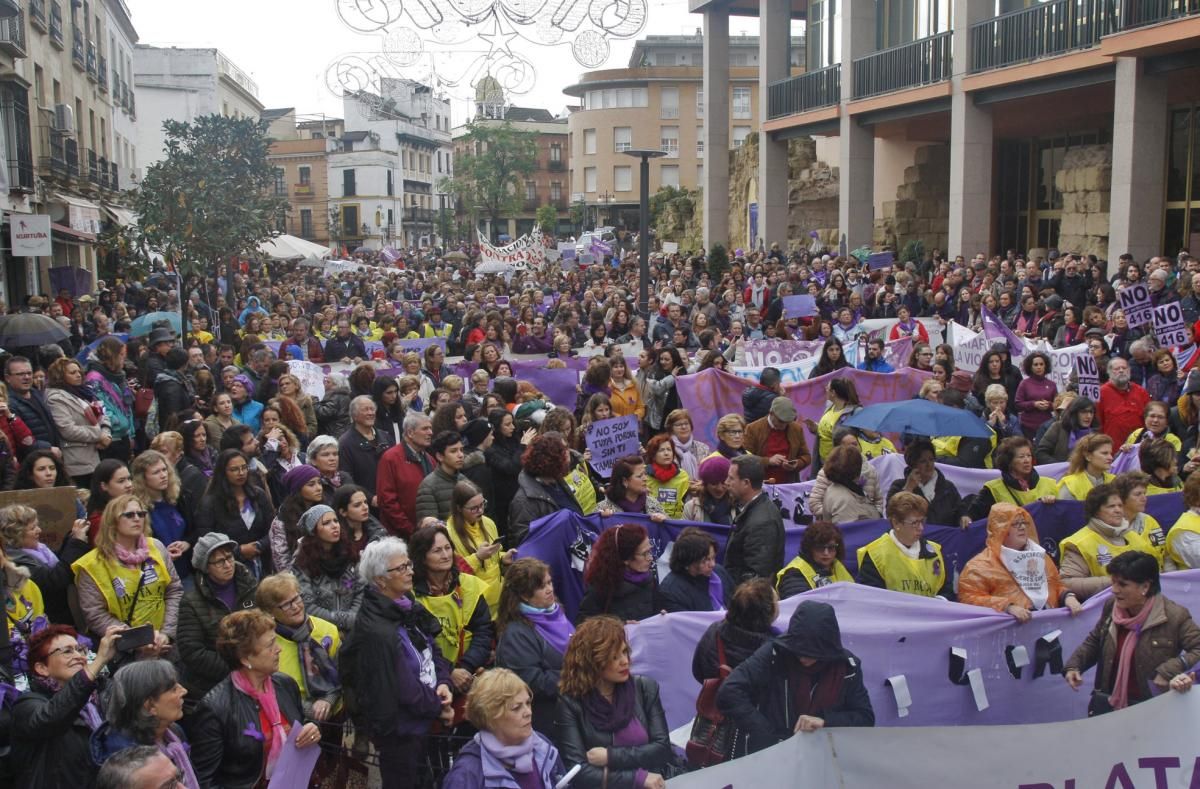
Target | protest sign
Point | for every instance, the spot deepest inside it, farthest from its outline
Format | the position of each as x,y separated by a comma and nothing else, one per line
772,353
1136,304
312,378
880,259
295,764
1169,327
800,306
1061,755
55,508
610,440
1088,374
670,247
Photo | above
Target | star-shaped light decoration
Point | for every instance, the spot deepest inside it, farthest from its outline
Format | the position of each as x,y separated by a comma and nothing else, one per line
500,38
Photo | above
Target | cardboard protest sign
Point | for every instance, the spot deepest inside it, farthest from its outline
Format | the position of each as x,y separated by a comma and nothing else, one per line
1136,304
312,377
1169,327
1088,374
610,440
55,508
800,306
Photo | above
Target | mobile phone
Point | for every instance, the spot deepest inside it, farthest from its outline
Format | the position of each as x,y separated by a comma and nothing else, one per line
135,638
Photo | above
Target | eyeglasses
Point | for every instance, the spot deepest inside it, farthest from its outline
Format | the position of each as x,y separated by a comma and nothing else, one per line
827,548
237,469
227,559
403,567
295,604
78,649
134,514
476,507
734,432
647,554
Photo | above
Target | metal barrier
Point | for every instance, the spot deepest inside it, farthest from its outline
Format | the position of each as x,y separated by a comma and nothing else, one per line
921,62
809,91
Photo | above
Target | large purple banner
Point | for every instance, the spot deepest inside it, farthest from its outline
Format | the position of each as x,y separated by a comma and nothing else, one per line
559,385
711,394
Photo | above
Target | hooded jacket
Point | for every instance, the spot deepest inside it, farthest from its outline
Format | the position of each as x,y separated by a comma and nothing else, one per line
986,581
757,696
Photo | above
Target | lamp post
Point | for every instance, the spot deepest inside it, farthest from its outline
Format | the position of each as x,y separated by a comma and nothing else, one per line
645,154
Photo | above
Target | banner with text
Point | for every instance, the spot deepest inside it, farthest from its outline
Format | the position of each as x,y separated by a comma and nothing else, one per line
610,440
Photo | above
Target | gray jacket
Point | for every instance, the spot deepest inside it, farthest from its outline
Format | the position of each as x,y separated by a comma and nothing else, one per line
332,599
523,651
79,434
435,493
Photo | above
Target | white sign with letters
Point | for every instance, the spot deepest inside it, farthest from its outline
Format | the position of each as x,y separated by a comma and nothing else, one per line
1169,328
1088,374
29,235
1136,304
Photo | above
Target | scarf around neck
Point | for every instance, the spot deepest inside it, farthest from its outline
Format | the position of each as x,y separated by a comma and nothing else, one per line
1133,623
664,473
687,459
516,758
268,707
1111,533
177,751
135,557
611,716
320,671
551,624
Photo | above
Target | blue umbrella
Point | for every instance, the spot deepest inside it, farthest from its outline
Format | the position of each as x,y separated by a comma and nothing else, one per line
920,418
144,324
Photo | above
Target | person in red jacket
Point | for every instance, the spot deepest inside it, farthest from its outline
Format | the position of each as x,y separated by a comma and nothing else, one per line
1122,403
401,469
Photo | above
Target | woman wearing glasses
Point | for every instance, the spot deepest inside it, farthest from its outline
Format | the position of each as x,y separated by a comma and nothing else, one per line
53,721
128,578
308,645
391,663
902,559
620,576
222,587
476,539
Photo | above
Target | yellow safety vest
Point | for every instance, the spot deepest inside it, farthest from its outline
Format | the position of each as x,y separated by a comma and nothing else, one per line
669,494
490,572
22,607
1079,484
947,447
430,332
1098,552
825,426
581,487
454,611
1154,490
1136,437
1002,492
814,578
119,584
323,632
1188,522
874,449
1153,533
923,577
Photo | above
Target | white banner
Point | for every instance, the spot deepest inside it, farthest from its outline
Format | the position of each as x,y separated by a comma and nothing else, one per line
969,348
1148,745
29,235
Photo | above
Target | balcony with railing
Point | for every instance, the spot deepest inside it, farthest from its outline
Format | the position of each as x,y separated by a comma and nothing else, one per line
93,163
303,191
78,58
810,91
1040,31
557,165
37,14
104,171
925,61
114,181
91,60
56,25
53,154
12,35
102,73
531,203
71,148
1139,13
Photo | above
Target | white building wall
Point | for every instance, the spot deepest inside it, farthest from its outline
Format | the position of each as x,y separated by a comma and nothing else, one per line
123,141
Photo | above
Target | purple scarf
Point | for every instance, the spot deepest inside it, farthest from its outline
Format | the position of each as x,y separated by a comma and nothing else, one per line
1076,435
515,758
632,505
551,624
614,716
174,749
716,592
91,710
636,578
44,554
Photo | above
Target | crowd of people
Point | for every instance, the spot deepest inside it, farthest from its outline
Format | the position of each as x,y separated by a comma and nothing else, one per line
248,553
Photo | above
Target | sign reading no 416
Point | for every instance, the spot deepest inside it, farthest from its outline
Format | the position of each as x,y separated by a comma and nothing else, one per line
1169,328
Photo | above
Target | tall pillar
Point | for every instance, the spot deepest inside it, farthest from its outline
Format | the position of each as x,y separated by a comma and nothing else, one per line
1139,148
970,145
856,146
774,40
716,126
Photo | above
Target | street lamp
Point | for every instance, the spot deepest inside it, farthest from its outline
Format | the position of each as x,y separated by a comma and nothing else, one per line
645,154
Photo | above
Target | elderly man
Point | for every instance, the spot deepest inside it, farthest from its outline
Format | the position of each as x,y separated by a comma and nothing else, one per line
401,470
361,447
1159,292
1121,403
779,440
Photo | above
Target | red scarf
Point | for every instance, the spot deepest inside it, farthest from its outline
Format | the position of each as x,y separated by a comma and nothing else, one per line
664,474
274,727
816,689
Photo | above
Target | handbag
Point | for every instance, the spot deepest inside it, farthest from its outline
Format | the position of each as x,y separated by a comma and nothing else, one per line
713,737
1099,704
142,401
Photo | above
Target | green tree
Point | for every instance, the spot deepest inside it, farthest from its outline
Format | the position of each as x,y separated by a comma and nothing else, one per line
578,214
210,197
547,218
718,262
490,174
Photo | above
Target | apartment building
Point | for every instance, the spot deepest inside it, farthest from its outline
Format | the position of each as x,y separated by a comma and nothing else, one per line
659,101
1014,125
300,156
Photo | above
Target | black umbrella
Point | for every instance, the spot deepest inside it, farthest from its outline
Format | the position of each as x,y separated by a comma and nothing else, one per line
30,328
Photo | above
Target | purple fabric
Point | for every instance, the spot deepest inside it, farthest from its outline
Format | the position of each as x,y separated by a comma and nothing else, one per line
43,552
557,384
551,625
636,578
226,592
716,591
634,733
611,716
1031,390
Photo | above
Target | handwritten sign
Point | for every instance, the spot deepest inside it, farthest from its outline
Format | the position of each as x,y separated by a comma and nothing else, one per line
312,378
1169,328
610,440
1136,304
800,306
1088,374
55,508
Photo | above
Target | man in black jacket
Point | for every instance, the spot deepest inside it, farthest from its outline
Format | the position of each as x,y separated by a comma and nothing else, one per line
345,344
29,404
172,390
755,548
801,681
756,400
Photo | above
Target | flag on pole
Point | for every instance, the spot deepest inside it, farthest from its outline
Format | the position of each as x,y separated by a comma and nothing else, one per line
995,329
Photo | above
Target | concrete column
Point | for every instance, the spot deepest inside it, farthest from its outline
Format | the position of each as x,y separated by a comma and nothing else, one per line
774,38
1139,148
716,127
970,145
856,148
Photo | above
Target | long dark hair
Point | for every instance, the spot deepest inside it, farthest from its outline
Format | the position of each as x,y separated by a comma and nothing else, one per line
314,559
825,364
24,480
622,470
522,578
97,497
419,546
220,489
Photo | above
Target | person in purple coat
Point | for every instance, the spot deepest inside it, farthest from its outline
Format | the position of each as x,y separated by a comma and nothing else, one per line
1035,394
397,683
506,752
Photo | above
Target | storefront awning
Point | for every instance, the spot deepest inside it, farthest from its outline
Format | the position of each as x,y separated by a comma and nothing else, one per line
121,216
70,235
82,214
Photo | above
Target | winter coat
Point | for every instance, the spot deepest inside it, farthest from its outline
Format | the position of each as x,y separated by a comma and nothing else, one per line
435,493
504,459
50,741
757,433
53,582
80,427
657,395
333,412
213,516
224,754
534,500
173,396
200,613
986,581
684,592
475,768
522,650
335,600
576,735
630,602
113,391
946,508
399,474
756,402
338,349
739,644
626,398
1169,645
359,457
476,468
755,547
757,696
839,510
95,608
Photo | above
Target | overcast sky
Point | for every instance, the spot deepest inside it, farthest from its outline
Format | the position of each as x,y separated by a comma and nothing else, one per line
287,45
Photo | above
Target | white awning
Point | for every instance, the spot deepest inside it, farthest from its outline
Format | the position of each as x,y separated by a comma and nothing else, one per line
82,214
122,216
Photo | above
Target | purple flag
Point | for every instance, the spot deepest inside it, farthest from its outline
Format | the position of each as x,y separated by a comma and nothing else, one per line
995,329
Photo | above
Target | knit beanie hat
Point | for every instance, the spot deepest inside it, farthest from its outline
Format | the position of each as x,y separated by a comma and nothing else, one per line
714,470
298,477
312,516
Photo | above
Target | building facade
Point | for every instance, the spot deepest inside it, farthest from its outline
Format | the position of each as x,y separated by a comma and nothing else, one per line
1019,125
658,102
301,174
183,84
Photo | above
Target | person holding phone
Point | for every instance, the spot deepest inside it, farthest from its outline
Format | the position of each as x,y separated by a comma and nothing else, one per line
779,440
128,578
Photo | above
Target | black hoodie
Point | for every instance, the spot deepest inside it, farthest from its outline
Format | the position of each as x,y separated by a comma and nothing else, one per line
757,696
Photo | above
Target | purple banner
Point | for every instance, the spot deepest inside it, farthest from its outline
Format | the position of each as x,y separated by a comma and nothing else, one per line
771,353
995,329
711,394
559,385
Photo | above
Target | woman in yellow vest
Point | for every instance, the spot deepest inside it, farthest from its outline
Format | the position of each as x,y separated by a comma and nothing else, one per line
129,578
1088,467
842,397
1156,419
23,606
902,559
1084,556
456,600
477,541
1158,459
1019,482
666,481
1183,540
1132,487
819,563
308,645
